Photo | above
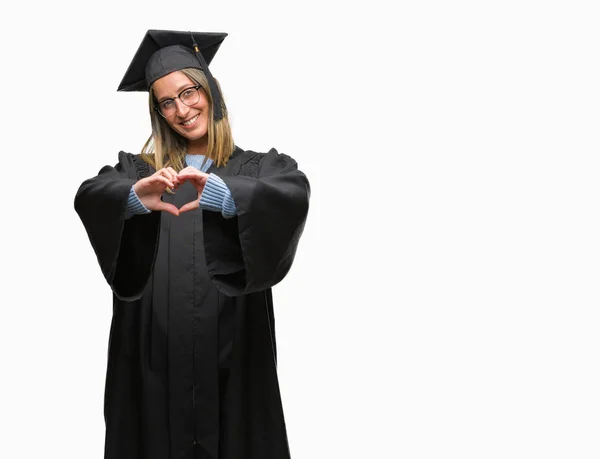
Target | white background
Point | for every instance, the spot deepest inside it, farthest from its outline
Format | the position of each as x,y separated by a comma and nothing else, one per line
444,300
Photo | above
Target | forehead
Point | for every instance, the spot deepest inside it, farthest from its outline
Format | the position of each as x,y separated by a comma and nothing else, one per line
170,85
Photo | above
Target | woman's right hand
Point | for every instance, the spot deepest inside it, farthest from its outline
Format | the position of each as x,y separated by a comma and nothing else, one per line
150,189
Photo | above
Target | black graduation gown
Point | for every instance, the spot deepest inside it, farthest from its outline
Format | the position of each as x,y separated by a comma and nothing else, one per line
192,358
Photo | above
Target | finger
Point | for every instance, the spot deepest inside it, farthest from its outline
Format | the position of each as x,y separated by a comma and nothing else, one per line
171,172
145,186
195,174
186,172
192,205
165,173
190,169
176,179
166,207
163,179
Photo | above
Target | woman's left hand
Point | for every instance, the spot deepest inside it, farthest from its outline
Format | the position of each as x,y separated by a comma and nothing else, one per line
196,178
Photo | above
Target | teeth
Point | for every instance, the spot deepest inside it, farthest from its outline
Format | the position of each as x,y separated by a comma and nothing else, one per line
192,121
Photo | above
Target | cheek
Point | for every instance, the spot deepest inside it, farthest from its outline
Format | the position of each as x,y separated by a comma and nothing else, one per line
203,105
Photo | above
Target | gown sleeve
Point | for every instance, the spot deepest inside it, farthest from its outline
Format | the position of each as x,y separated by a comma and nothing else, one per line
125,248
255,250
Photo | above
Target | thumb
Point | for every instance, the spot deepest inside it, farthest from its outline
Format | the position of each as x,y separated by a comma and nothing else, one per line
165,206
190,206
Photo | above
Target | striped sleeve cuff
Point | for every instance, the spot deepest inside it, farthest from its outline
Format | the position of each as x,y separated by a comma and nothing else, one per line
134,206
217,197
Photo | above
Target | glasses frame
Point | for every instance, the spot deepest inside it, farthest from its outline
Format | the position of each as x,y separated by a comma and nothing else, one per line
196,87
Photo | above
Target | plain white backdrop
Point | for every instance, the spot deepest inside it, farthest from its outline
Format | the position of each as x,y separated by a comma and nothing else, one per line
444,302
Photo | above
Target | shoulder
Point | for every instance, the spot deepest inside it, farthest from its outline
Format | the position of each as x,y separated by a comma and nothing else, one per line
241,156
251,162
248,155
135,165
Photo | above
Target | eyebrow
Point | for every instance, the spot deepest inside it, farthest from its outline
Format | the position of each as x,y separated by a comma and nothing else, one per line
181,88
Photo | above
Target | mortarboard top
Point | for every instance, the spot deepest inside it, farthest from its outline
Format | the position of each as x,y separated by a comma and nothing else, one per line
164,51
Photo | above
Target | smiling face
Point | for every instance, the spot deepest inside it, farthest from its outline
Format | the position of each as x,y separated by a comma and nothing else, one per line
191,122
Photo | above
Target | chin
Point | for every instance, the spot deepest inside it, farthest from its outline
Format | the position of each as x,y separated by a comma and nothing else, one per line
194,135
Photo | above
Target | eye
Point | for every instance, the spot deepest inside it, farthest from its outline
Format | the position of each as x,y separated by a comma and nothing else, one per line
167,104
188,93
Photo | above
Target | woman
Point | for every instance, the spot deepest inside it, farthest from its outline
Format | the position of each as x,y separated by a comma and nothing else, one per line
191,235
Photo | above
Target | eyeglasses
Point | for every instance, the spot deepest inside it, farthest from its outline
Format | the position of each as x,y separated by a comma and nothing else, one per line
188,96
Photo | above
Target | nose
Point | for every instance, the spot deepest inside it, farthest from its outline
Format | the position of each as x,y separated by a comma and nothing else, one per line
182,109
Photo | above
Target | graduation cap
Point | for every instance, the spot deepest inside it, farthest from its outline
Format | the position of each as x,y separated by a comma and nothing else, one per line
164,51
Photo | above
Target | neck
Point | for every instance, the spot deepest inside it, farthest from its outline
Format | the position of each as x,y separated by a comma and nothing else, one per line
198,146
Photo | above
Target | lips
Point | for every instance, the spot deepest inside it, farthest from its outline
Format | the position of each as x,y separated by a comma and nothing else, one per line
191,122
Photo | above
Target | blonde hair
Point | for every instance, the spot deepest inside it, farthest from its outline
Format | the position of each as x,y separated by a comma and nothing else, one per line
166,148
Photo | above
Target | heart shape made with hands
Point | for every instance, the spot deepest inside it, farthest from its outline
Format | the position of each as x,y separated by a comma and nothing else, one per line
149,190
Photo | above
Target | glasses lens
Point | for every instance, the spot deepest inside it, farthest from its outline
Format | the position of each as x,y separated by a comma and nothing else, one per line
167,107
189,96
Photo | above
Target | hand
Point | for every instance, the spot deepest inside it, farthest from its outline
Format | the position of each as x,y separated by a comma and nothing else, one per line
150,189
196,178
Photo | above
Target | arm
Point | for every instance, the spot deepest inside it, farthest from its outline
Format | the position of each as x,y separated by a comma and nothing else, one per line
134,205
217,197
125,249
255,250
